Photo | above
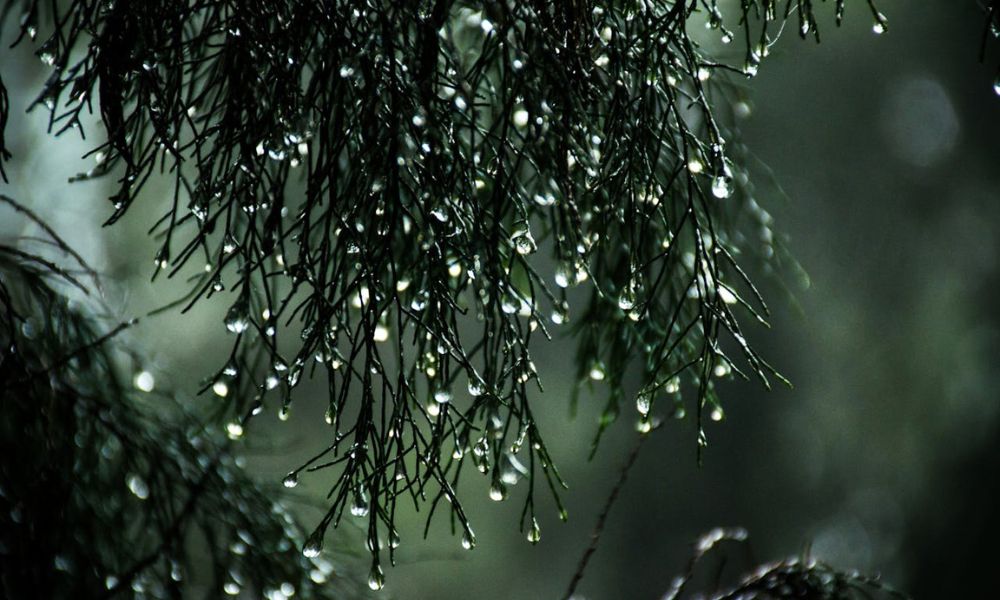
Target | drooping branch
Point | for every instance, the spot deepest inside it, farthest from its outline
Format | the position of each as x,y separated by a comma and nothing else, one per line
418,191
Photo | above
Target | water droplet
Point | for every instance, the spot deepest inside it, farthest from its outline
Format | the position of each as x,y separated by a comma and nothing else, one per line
237,319
880,25
597,372
996,85
381,333
475,388
509,302
137,485
442,396
722,369
565,275
232,588
144,381
717,414
722,187
560,314
627,300
695,166
642,403
468,539
376,579
521,118
498,491
359,508
234,430
220,389
535,533
523,242
291,480
433,408
313,546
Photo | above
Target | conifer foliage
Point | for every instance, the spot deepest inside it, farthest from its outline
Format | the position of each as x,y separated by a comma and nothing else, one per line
102,495
411,191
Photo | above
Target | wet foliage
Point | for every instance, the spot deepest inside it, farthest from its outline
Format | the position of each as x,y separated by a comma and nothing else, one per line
410,191
796,577
406,199
107,489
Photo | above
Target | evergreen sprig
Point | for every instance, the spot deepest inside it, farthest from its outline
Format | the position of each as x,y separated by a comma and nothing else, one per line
410,191
103,494
794,577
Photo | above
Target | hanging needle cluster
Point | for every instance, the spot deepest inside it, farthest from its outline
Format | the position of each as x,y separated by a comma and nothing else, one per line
405,199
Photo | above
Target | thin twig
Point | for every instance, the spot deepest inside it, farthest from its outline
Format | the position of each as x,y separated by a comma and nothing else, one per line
595,536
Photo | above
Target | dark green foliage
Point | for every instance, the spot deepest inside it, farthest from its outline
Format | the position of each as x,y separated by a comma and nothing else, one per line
397,186
104,493
799,577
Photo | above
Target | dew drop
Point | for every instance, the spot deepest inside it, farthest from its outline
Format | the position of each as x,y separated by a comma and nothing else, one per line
535,533
376,579
137,485
722,187
642,404
144,381
597,372
237,319
523,242
234,430
468,539
359,508
291,480
627,300
313,546
498,491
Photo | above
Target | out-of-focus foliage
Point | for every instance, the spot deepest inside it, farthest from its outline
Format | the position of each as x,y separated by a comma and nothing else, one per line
792,578
109,489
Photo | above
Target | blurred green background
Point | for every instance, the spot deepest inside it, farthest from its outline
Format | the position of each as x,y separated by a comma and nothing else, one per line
885,455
